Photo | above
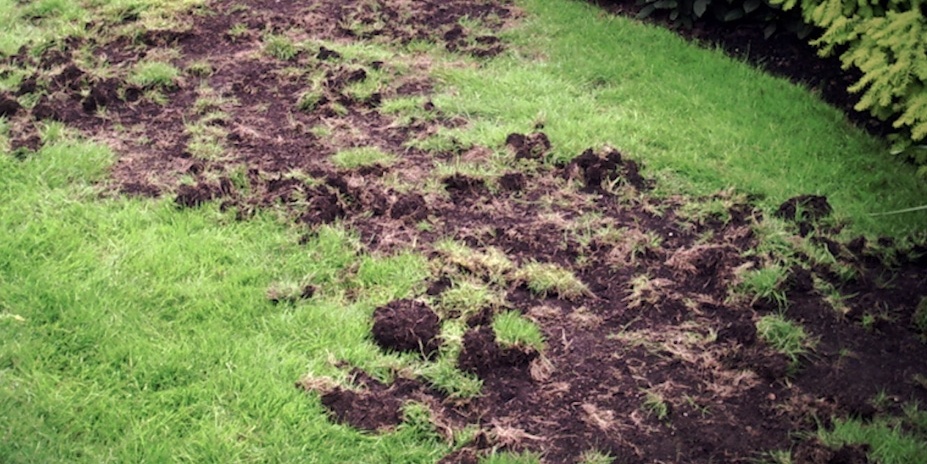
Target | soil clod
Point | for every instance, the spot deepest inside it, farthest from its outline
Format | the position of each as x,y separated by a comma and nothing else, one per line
366,410
410,206
609,168
328,54
513,181
531,146
191,196
8,106
407,325
482,355
804,208
461,186
799,280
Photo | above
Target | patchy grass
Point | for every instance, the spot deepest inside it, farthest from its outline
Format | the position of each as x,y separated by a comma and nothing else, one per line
891,440
466,298
764,284
443,373
711,123
137,331
280,47
489,263
362,156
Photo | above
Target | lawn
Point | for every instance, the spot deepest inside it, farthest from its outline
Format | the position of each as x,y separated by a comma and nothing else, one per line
412,231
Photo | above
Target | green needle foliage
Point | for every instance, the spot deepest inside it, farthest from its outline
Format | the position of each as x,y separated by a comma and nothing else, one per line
886,41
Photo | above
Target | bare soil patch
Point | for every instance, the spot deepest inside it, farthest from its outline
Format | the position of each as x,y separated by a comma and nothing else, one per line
656,360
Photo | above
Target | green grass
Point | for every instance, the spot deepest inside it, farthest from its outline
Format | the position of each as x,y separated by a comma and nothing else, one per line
280,47
442,373
699,121
513,329
508,457
134,331
466,298
764,284
596,457
785,336
655,404
892,441
550,279
154,74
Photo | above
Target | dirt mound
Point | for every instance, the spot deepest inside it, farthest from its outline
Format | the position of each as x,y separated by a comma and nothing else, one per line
805,207
805,211
481,354
410,206
191,196
407,325
609,167
461,186
375,407
513,181
531,146
8,106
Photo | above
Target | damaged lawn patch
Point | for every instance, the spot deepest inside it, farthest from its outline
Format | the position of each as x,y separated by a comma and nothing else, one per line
353,158
397,203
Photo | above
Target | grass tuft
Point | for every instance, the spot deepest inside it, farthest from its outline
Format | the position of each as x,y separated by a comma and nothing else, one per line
919,318
280,47
546,278
892,441
154,74
655,404
515,330
784,336
764,284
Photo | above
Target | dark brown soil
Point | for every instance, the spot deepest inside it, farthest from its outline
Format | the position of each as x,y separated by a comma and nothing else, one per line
659,321
8,106
805,211
484,357
532,146
407,325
